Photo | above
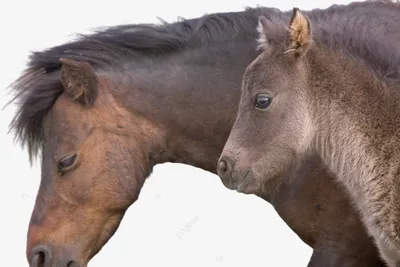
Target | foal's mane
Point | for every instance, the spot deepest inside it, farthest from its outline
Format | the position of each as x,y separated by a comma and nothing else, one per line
354,36
39,86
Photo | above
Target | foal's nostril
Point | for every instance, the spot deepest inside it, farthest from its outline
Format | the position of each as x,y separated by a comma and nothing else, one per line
41,257
224,168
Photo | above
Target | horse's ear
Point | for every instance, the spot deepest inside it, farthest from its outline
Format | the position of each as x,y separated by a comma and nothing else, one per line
300,33
79,81
264,28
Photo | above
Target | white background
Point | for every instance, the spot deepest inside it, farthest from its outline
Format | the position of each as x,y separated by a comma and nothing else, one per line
184,216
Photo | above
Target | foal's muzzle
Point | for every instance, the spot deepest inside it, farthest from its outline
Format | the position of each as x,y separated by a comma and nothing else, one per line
224,168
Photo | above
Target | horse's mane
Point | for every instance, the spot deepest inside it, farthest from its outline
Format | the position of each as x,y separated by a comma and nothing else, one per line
39,86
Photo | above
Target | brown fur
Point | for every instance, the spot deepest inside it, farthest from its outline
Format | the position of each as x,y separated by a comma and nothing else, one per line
300,33
325,102
97,202
168,93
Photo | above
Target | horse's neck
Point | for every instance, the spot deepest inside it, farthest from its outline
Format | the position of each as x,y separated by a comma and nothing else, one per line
196,113
358,138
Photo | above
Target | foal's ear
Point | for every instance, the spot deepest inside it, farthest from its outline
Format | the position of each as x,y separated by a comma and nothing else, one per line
300,37
79,81
264,28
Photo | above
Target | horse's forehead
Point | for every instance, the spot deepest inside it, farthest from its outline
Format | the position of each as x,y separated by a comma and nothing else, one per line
66,113
62,104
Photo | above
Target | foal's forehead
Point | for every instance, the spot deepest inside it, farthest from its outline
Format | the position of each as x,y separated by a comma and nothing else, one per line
268,70
264,63
256,73
258,64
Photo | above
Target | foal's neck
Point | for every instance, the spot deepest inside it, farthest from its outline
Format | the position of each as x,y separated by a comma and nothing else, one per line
358,137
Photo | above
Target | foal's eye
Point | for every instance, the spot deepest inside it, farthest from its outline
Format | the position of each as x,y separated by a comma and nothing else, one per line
262,101
66,162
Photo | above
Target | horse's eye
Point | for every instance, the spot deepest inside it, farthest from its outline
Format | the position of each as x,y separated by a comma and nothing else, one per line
66,162
262,101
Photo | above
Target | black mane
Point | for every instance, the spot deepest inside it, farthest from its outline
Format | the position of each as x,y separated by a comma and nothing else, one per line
39,86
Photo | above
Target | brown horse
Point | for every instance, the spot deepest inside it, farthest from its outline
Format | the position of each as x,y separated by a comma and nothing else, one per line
129,97
307,95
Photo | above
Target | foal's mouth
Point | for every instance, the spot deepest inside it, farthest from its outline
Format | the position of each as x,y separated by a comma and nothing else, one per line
245,185
241,185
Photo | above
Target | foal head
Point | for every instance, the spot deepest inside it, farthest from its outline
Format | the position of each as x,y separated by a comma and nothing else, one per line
273,126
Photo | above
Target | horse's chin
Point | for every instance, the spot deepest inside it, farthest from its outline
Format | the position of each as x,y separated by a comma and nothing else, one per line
107,232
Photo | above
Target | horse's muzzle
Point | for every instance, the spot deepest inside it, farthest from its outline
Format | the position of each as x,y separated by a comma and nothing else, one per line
41,256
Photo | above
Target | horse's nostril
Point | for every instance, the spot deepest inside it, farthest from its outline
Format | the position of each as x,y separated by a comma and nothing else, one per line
38,260
72,264
41,257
